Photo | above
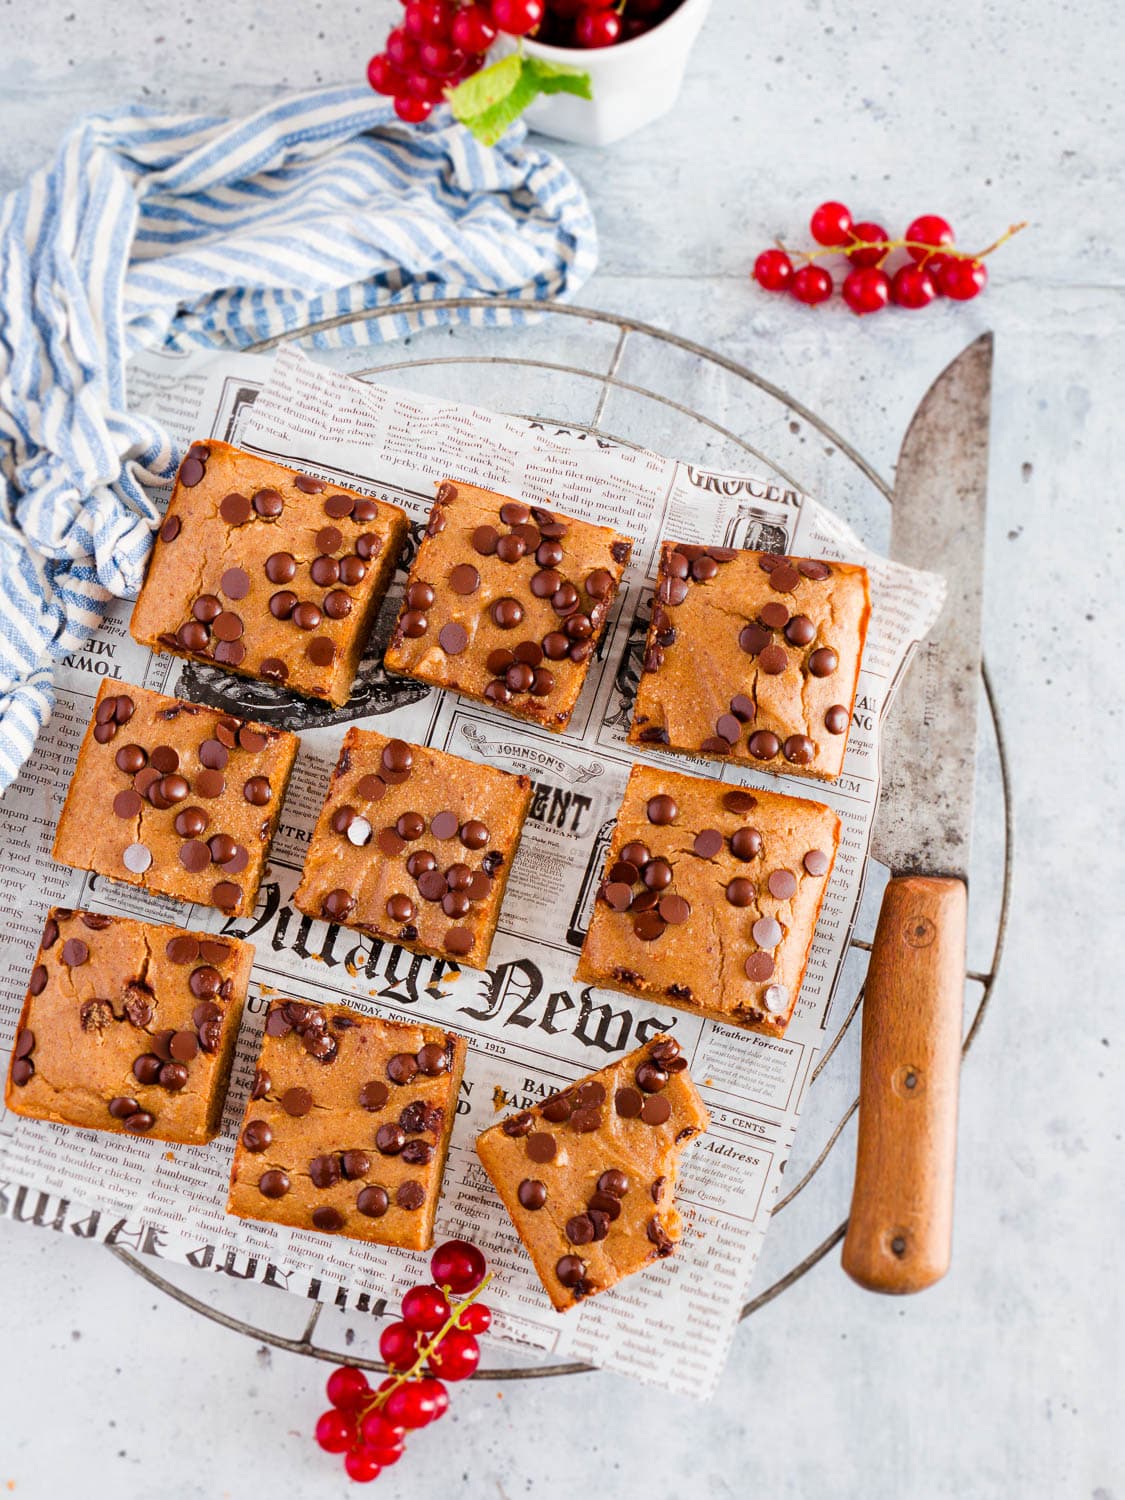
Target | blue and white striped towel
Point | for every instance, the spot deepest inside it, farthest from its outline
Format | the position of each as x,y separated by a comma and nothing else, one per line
197,231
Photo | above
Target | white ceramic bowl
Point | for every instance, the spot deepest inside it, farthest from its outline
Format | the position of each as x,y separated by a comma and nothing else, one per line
633,83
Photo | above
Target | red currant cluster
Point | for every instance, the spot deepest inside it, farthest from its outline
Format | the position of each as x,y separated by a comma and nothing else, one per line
442,42
434,1342
933,266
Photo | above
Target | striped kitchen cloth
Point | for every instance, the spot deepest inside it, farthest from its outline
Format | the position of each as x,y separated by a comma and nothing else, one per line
189,231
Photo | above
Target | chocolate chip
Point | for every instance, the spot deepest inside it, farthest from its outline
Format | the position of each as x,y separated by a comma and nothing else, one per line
130,759
613,1183
25,1043
753,639
628,1102
261,1085
170,529
308,485
649,926
282,604
599,583
823,662
369,544
273,1184
257,1135
402,1067
173,1077
784,577
651,1077
297,1102
570,1270
776,998
661,810
799,749
766,932
532,1193
518,1125
139,1123
586,1120
773,660
306,616
473,834
410,1194
672,591
759,966
324,572
557,1108
410,826
373,1202
371,788
774,616
541,1146
337,905
122,1107
374,1094
227,626
674,909
580,1229
657,874
390,1139
740,892
339,506
707,843
764,744
606,1207
813,569
484,540
74,953
127,804
816,862
191,471
38,982
591,1093
836,719
433,1059
656,1110
506,613
782,884
728,728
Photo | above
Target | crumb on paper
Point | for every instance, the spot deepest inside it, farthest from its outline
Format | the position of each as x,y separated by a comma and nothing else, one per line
499,1098
169,1156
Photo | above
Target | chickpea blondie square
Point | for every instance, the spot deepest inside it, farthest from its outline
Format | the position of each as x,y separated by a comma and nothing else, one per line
506,602
129,1027
267,572
753,658
175,797
414,846
347,1126
588,1176
710,897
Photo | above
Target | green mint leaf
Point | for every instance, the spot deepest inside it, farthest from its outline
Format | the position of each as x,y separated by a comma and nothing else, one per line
561,78
491,123
486,89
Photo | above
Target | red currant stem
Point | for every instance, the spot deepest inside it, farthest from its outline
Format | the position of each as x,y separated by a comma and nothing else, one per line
416,1369
886,246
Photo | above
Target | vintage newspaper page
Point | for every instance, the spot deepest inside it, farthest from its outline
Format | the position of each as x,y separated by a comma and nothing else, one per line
531,1029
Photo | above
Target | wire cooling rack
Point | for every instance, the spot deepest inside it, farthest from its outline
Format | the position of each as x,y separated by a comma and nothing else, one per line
623,380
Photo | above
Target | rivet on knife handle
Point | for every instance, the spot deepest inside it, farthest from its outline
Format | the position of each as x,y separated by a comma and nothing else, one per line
900,1229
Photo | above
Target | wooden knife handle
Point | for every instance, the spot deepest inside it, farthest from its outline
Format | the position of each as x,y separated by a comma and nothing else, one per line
901,1225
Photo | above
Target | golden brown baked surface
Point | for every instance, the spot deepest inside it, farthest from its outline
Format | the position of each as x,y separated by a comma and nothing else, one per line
506,602
710,897
589,1175
175,797
414,846
129,1027
347,1125
752,658
267,572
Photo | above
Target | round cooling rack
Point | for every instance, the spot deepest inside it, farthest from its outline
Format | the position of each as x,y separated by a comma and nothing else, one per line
618,379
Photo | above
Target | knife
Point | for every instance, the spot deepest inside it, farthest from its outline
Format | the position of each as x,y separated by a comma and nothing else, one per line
899,1232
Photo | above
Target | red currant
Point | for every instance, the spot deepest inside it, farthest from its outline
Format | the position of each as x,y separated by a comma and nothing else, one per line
458,1266
928,229
773,270
516,17
867,230
476,1318
398,1345
597,28
811,284
417,1403
867,290
831,224
456,1357
933,266
400,49
362,1465
335,1431
422,86
440,1398
379,1432
962,278
427,20
473,30
424,1308
383,76
440,60
412,109
347,1387
566,10
473,63
911,286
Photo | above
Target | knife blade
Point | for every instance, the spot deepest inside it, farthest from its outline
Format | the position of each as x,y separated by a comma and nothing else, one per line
899,1235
